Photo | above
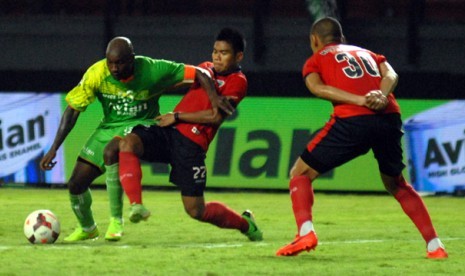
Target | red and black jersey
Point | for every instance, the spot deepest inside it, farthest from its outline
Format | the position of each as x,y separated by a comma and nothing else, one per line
229,84
350,68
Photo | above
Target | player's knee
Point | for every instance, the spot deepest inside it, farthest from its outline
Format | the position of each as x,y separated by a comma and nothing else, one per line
194,213
128,144
110,154
75,188
310,173
394,183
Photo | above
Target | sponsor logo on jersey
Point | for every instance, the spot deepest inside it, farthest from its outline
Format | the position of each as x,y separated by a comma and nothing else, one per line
220,83
124,104
195,131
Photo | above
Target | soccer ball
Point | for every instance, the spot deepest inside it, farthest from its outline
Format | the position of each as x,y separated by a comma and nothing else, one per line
42,226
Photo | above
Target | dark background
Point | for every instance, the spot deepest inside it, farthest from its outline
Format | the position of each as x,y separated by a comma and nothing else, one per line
47,45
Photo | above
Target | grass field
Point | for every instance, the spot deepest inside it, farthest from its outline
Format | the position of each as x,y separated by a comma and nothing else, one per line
358,235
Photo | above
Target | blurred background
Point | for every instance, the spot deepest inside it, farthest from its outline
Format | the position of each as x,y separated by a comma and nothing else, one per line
47,44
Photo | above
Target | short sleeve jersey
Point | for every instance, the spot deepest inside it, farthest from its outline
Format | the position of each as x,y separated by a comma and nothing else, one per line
196,99
131,101
350,68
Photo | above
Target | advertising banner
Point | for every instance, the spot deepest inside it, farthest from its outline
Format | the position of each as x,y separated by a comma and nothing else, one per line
256,147
28,124
436,148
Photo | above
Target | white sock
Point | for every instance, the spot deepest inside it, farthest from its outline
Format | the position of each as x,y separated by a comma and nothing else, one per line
306,228
434,244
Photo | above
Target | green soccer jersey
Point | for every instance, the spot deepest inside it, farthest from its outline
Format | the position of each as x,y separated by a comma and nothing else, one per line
134,100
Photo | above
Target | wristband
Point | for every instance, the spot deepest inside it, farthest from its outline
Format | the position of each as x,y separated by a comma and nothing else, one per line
176,117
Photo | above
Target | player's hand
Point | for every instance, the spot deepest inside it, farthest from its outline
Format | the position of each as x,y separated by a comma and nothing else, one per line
224,104
47,163
166,119
375,100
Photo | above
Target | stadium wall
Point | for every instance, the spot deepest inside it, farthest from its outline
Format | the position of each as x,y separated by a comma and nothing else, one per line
72,43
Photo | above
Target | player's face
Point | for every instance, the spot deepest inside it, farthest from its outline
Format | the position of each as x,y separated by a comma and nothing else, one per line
121,67
224,58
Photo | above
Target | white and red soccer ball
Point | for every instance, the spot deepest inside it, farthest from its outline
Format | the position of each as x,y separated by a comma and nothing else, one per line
41,226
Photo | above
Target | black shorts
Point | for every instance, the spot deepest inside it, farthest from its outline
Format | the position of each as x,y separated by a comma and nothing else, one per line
187,159
343,139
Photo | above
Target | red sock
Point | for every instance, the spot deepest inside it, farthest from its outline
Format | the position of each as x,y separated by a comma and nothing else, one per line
302,199
220,215
413,206
130,175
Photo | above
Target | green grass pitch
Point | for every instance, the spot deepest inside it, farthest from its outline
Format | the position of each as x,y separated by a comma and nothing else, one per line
358,235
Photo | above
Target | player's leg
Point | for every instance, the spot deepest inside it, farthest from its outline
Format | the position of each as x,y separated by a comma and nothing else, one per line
387,149
81,200
414,207
220,215
189,173
114,190
338,142
131,147
302,197
332,146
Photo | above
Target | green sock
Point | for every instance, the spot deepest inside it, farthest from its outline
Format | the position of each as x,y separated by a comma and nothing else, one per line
81,208
114,190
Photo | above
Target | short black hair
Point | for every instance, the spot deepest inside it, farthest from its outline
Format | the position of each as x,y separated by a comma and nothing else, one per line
233,37
328,29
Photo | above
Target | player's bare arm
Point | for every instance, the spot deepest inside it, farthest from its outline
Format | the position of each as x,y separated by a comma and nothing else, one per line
217,102
67,122
318,88
389,78
377,99
199,117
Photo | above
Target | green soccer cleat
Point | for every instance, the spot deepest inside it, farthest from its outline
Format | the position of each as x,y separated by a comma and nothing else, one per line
138,212
80,235
115,229
254,234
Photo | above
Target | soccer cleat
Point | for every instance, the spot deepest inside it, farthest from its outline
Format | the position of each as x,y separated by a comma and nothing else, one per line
138,212
80,235
254,234
439,253
307,242
115,229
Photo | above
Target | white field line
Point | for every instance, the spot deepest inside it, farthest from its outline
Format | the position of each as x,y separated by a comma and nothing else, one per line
203,245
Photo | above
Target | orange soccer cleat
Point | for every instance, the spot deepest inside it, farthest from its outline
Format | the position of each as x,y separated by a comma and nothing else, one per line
307,242
439,253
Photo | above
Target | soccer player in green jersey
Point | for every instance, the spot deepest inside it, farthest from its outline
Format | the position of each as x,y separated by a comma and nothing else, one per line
128,88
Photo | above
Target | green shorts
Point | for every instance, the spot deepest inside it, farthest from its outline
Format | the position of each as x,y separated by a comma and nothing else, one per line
92,151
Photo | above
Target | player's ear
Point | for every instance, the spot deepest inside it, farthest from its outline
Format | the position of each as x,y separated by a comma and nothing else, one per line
239,56
314,42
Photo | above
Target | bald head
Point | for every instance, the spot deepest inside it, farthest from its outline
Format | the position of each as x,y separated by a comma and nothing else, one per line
120,57
328,29
120,46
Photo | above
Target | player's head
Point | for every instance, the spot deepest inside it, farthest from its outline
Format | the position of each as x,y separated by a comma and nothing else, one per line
228,50
324,31
120,58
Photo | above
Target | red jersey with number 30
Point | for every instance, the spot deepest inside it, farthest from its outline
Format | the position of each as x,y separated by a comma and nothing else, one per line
196,99
350,68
